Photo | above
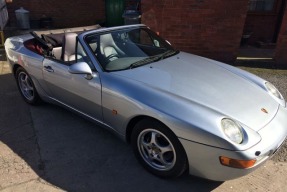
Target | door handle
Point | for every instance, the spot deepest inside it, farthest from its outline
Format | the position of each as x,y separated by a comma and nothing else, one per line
48,68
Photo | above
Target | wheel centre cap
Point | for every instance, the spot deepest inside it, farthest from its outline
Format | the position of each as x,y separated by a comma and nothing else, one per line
155,151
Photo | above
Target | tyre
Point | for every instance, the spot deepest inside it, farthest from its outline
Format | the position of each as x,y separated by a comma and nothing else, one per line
158,149
26,87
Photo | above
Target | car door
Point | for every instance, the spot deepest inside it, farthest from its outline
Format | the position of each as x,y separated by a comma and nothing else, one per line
75,91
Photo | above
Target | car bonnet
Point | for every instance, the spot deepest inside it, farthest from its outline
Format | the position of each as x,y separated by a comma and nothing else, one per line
202,81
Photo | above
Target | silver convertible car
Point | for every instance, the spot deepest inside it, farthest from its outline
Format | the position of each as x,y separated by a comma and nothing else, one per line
180,112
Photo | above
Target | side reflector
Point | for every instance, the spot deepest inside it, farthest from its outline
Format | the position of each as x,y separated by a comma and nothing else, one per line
240,164
114,112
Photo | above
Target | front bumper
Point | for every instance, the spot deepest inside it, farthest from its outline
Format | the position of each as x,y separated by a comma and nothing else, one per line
204,160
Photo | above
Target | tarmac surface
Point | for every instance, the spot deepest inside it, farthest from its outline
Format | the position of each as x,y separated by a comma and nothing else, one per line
47,148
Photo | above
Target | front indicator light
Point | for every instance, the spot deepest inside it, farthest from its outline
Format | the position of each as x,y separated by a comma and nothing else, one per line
235,163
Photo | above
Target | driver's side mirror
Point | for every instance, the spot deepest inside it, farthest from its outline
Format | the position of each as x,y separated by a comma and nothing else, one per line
81,68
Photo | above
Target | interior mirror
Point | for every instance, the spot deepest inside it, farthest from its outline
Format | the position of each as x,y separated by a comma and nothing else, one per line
81,68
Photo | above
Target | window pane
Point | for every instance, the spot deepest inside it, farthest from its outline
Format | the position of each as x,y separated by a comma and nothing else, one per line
261,5
269,5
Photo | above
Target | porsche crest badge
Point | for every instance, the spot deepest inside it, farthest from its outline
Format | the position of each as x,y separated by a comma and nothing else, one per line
264,110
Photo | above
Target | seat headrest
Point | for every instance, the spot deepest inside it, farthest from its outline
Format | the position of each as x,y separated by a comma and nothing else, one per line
69,45
107,40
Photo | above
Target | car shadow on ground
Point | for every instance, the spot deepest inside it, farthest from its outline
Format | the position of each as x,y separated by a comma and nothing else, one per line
75,154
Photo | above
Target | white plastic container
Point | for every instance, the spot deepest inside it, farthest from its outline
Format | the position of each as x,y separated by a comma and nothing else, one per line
22,17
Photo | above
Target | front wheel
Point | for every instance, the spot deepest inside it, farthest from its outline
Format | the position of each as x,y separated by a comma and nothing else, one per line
158,149
26,87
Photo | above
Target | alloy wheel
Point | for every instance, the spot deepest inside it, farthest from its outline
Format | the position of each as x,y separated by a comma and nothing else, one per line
156,149
26,86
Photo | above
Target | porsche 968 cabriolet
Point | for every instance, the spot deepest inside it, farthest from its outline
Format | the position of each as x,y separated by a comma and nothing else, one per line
180,112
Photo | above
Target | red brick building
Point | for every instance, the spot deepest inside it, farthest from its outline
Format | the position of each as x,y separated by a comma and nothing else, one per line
209,28
212,29
65,13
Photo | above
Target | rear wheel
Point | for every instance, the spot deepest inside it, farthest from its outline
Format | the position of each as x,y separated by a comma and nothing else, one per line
26,87
158,149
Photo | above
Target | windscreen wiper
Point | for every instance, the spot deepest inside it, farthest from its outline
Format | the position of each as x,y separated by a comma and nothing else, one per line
168,53
153,59
144,62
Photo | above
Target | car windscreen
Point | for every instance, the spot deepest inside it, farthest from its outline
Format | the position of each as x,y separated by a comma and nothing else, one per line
128,48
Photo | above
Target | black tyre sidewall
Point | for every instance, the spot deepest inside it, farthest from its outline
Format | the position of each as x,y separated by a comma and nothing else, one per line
181,160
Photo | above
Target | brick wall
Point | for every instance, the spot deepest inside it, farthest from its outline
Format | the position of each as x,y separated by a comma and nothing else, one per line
209,28
281,47
65,13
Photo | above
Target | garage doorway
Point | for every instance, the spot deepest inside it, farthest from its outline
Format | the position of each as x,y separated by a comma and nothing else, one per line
262,26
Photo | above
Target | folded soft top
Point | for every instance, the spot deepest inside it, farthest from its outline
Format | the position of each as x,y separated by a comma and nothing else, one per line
54,38
67,30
